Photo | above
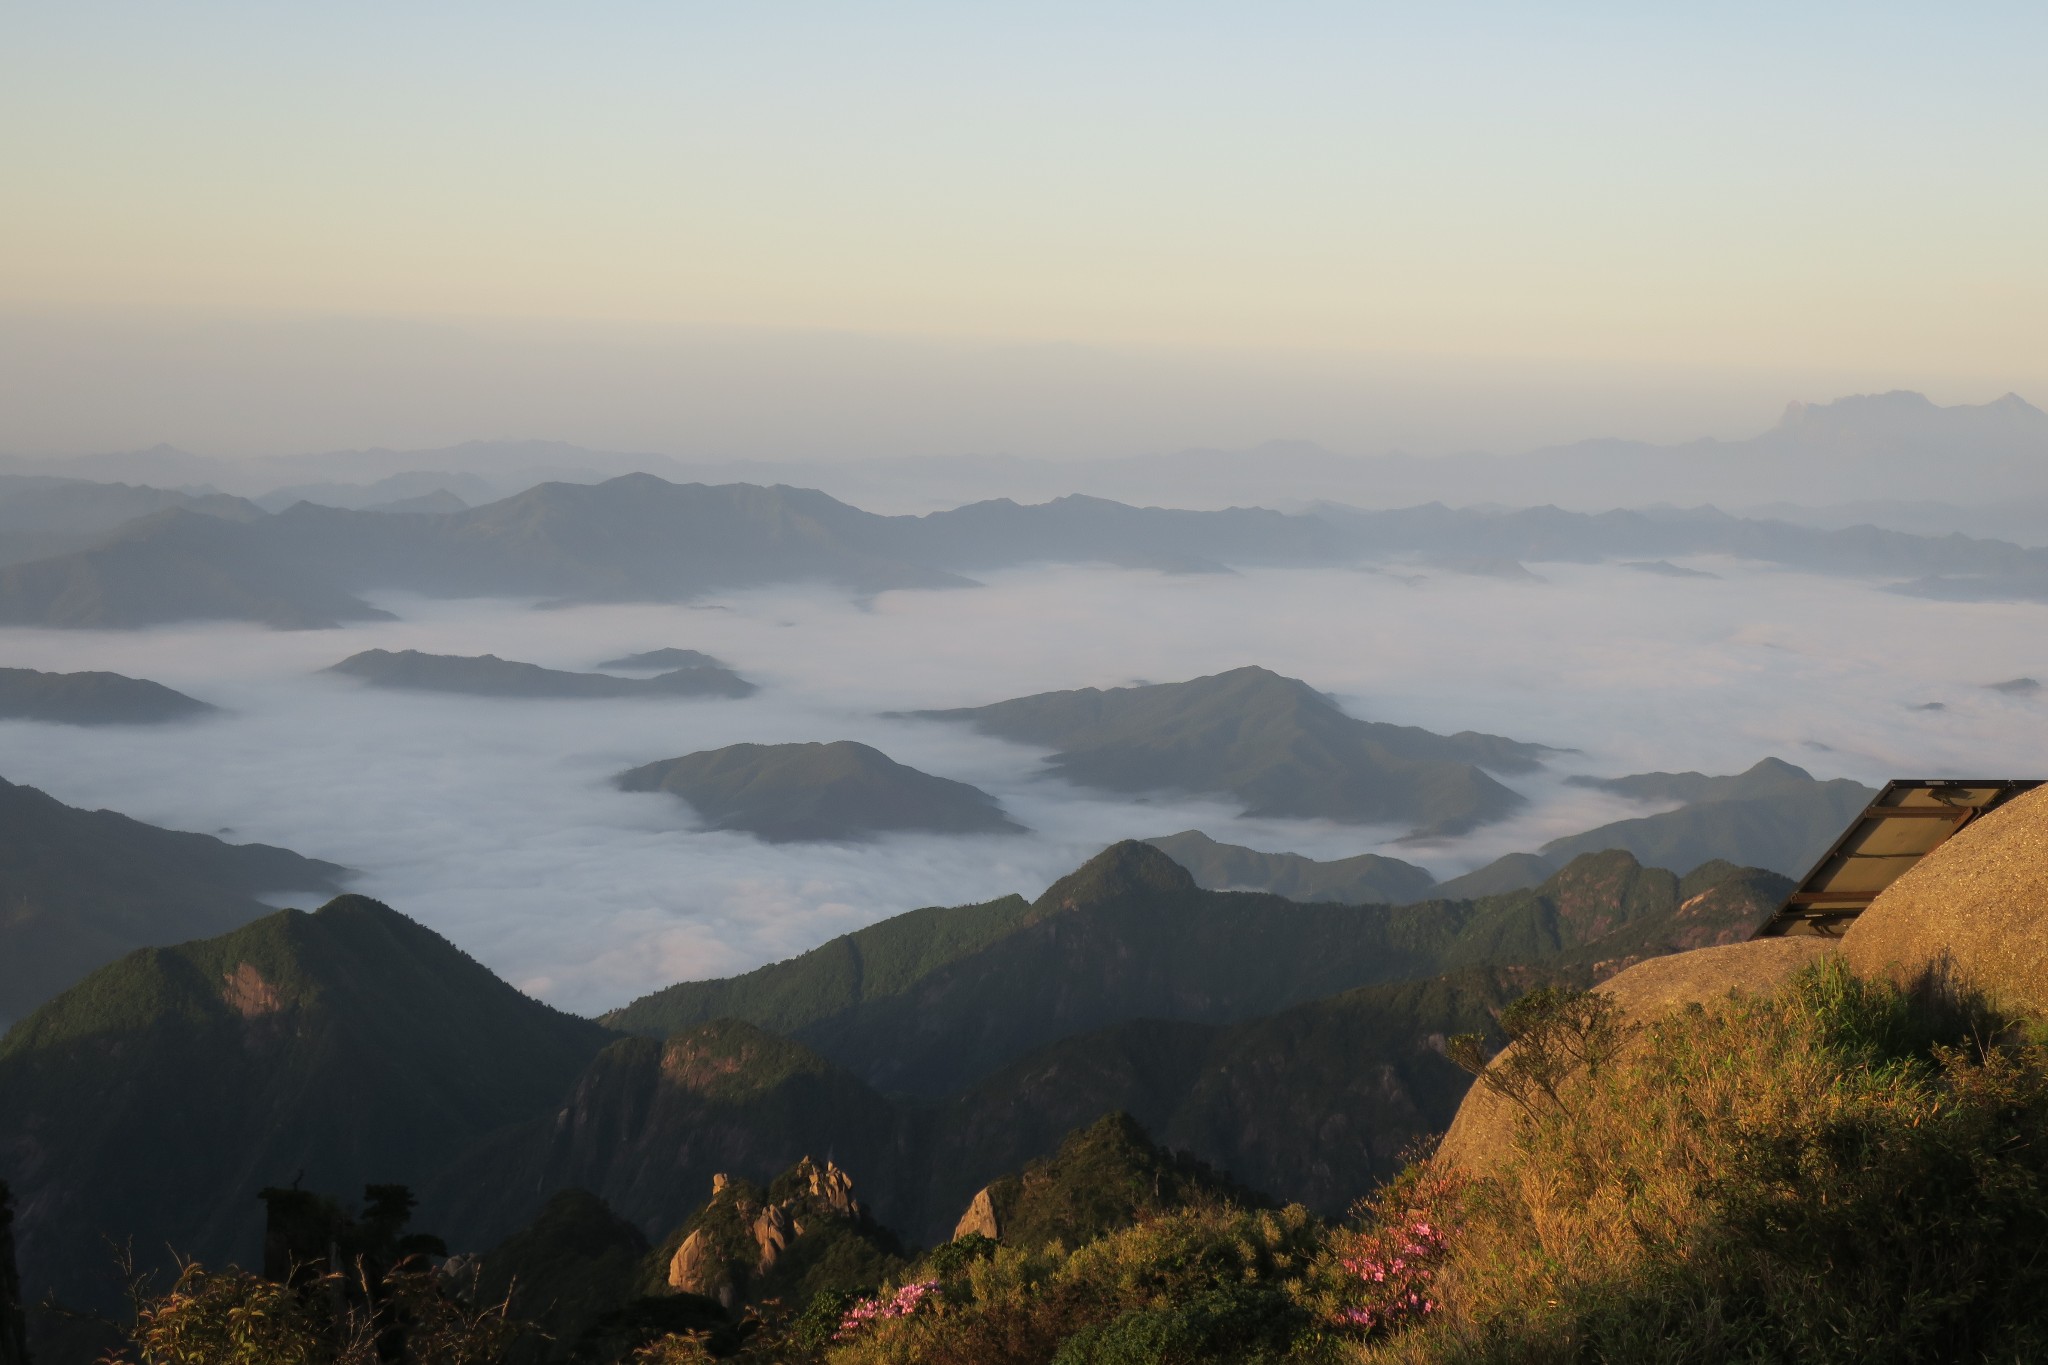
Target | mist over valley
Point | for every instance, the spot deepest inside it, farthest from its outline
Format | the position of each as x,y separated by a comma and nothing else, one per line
496,820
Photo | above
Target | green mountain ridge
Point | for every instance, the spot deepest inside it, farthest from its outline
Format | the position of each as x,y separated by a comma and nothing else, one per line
80,888
349,1046
924,1003
945,1075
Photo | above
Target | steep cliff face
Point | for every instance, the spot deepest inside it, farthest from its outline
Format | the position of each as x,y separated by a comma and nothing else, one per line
649,1124
13,1329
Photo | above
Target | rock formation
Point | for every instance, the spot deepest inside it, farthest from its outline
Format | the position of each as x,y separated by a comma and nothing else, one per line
832,1189
1971,912
736,1242
980,1218
696,1269
1483,1132
773,1231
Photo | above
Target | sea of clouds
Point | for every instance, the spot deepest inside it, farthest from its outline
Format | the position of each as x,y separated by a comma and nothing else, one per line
494,822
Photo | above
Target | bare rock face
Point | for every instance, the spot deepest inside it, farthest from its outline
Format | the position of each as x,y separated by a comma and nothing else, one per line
1482,1133
1973,914
774,1229
695,1269
980,1219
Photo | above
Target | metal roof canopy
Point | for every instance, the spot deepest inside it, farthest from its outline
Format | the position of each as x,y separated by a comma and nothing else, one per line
1907,821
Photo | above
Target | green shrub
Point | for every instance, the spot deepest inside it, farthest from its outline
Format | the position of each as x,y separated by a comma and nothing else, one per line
1205,1283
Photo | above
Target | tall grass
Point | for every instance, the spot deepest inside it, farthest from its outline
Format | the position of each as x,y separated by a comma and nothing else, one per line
1840,1171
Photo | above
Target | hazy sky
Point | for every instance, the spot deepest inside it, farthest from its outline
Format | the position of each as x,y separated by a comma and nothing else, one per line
1686,213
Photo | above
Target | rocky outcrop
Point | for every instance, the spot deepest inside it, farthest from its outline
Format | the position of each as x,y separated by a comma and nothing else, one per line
1972,913
831,1189
773,1231
697,1269
1482,1133
13,1329
737,1242
980,1219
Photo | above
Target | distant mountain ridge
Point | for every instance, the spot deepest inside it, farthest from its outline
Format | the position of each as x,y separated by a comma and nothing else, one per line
1897,446
1367,878
1775,816
639,538
92,699
487,675
657,660
179,565
43,516
1274,743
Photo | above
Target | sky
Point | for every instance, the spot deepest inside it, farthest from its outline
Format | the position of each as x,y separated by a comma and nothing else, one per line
1075,228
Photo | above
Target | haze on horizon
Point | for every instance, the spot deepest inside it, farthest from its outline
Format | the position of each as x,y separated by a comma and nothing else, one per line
1068,231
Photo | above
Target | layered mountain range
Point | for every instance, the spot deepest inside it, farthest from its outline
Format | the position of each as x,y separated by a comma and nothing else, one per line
929,1054
41,515
640,538
1774,816
1872,456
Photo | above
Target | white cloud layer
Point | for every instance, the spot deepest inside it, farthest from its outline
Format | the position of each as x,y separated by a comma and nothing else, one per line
493,821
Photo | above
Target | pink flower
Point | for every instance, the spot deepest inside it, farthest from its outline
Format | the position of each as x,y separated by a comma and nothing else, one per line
901,1304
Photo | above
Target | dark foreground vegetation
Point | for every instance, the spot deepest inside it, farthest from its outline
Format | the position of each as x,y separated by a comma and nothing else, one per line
1837,1171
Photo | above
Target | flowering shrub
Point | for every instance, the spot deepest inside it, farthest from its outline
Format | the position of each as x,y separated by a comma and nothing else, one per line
901,1304
1395,1267
1381,1276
